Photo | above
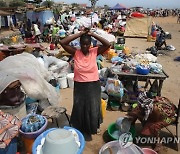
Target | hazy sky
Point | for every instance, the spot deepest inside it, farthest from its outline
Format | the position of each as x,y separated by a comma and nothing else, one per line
131,3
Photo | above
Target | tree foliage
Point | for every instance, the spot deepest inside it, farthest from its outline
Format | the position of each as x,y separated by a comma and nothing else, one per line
34,1
47,3
16,3
106,7
74,5
3,3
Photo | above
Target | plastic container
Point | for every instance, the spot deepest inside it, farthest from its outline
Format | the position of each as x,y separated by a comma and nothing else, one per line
59,141
123,124
38,139
62,82
148,151
28,143
103,107
111,53
120,40
29,137
33,135
30,100
112,128
114,105
118,46
105,97
142,70
114,147
70,79
119,52
126,51
11,148
14,39
125,107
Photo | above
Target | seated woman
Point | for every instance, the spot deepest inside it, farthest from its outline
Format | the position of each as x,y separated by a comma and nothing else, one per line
154,114
12,95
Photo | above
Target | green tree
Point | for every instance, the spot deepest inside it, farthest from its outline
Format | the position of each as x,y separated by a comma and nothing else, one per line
48,3
3,3
106,7
16,3
35,1
74,5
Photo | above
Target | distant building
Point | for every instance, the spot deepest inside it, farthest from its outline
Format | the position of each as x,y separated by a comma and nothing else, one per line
83,5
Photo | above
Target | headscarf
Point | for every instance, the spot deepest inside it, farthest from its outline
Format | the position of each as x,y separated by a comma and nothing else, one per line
146,103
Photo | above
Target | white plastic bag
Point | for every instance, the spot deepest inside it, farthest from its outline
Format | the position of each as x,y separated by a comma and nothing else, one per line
114,87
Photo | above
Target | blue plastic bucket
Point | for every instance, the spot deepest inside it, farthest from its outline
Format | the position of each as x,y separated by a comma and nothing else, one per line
39,138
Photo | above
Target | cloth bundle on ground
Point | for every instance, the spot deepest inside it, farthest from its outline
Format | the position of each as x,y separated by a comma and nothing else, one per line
9,128
32,75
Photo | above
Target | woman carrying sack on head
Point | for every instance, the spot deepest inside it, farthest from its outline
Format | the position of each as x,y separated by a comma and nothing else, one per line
86,115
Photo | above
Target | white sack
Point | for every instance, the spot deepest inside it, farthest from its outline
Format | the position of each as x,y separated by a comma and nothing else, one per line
86,21
56,65
32,75
106,35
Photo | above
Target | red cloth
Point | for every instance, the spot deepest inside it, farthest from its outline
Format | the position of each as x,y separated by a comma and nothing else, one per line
30,40
52,46
137,15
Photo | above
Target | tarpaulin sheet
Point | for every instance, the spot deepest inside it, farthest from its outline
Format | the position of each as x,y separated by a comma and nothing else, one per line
138,27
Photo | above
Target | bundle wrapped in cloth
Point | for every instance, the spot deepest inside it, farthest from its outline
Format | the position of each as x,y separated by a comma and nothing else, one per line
9,128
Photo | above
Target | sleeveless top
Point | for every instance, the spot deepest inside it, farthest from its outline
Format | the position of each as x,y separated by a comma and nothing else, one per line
85,67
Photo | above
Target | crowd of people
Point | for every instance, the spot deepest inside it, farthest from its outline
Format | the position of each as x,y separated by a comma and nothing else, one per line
112,21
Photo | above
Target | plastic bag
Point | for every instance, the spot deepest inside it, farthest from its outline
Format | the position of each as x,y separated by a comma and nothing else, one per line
114,87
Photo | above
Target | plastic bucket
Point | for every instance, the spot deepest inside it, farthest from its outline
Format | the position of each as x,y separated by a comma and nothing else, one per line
28,143
113,147
70,78
43,135
63,82
148,151
33,135
112,128
28,138
105,97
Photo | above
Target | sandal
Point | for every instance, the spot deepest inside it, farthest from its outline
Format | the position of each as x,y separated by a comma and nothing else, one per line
98,131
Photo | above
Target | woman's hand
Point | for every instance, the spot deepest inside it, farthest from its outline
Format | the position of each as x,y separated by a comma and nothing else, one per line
85,31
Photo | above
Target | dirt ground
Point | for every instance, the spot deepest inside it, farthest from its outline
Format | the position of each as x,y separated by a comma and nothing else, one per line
170,88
